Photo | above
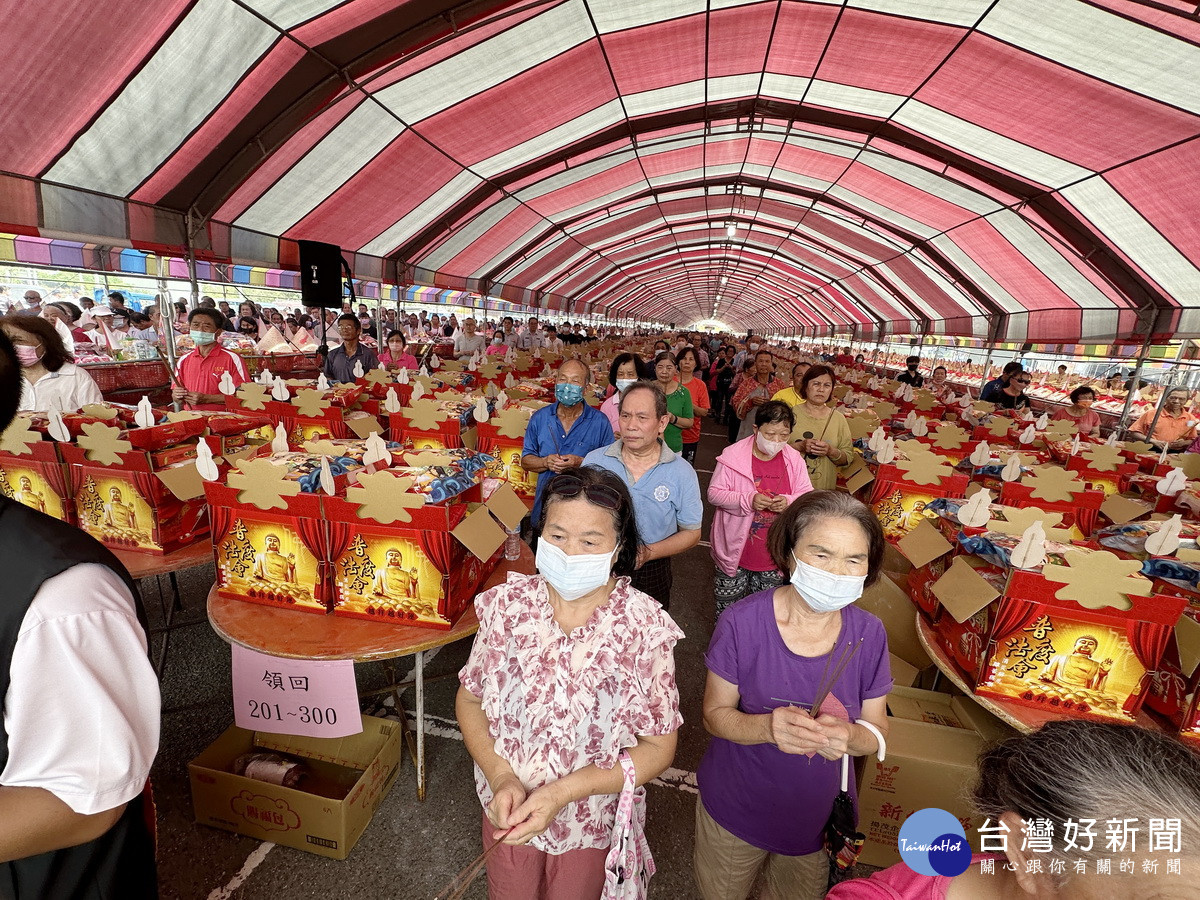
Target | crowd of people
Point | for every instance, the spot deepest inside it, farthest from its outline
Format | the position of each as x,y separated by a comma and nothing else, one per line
571,679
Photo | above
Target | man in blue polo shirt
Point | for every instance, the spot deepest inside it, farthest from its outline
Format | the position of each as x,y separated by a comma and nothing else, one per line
665,489
560,435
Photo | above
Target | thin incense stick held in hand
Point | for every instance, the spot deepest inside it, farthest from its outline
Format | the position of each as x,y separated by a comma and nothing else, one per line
458,885
843,663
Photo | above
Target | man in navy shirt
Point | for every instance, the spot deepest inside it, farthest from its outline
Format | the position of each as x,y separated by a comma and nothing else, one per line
339,364
560,435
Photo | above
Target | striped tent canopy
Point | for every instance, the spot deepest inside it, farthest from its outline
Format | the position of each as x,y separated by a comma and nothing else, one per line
1008,170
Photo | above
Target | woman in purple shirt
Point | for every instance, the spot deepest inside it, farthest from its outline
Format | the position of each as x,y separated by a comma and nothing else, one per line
773,768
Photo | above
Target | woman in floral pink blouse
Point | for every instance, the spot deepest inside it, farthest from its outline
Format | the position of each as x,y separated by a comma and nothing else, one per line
570,667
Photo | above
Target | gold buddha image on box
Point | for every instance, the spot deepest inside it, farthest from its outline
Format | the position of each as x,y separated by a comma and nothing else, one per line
387,577
1070,665
268,563
111,510
29,487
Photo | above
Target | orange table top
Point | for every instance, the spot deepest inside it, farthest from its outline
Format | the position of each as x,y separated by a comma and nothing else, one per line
1021,717
301,635
143,565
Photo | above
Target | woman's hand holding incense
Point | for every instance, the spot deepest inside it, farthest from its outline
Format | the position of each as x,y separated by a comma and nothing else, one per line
837,733
534,816
794,731
507,795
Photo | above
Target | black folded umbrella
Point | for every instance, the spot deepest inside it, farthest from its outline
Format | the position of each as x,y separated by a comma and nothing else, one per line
843,840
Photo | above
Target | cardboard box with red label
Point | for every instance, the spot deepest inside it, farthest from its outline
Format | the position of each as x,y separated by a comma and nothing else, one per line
902,492
362,767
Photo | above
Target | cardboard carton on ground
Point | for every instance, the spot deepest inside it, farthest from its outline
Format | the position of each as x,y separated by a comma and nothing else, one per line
146,501
1080,635
927,765
291,816
32,473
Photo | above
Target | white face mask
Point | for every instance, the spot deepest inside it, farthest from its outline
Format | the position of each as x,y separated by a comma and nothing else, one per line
769,449
824,591
623,383
753,347
573,576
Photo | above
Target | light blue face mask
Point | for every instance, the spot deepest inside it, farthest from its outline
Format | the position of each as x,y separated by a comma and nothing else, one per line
568,394
202,337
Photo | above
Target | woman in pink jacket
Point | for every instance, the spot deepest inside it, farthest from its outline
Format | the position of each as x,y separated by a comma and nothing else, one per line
755,480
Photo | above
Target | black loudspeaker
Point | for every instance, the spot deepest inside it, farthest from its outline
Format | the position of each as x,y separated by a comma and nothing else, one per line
320,274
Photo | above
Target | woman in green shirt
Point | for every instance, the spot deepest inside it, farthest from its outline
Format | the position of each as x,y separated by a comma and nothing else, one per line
822,433
679,400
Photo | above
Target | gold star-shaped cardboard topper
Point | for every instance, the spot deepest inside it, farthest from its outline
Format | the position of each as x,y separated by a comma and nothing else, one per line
310,402
1000,426
182,416
1054,483
950,437
884,409
385,497
428,458
324,448
924,400
1102,457
253,395
1017,519
263,484
18,438
103,443
1098,579
1060,430
99,411
925,468
1139,447
861,426
512,421
379,376
425,414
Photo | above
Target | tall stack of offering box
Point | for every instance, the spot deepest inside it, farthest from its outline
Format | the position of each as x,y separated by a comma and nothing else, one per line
1035,619
359,529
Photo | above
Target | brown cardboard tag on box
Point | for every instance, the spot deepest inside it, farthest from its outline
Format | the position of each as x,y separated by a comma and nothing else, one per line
182,481
506,506
963,591
924,544
480,533
1120,510
1189,462
1187,639
891,605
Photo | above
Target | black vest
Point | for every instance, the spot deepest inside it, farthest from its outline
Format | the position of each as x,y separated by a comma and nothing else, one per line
120,863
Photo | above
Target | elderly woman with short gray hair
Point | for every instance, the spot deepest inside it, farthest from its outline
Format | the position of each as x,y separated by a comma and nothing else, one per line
1090,774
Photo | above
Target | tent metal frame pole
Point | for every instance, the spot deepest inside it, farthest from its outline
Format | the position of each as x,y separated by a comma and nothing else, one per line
166,322
1134,381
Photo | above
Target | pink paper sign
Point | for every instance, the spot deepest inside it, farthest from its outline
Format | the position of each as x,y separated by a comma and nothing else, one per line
315,698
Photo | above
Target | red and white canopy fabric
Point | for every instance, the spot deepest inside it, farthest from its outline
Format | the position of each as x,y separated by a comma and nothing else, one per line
1018,170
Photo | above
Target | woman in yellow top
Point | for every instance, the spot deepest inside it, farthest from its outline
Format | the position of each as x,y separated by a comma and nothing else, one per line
822,433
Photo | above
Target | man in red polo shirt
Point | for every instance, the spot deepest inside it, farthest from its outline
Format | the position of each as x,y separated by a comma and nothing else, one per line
199,372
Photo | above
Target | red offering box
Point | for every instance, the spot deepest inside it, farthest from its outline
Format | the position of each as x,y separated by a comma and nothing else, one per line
129,507
411,573
39,479
1116,481
900,504
1031,647
274,557
1080,514
508,452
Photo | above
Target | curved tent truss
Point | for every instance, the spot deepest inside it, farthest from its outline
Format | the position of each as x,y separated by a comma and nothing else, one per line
1017,170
